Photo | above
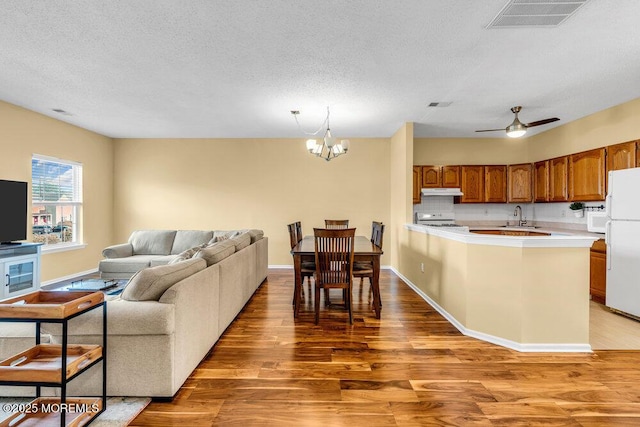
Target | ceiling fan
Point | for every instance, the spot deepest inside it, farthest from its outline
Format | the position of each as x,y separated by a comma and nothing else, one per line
517,128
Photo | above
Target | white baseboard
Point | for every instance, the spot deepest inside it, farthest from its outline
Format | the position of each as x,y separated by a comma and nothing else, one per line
69,277
564,348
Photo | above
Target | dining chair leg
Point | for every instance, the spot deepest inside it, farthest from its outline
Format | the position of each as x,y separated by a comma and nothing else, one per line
350,305
316,302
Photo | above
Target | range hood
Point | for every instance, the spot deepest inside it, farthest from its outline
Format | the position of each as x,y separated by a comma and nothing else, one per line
441,192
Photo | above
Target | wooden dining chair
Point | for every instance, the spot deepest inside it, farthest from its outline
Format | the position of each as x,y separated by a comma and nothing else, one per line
365,269
336,223
308,268
334,264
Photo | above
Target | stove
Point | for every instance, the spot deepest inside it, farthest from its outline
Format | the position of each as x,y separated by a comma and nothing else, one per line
436,219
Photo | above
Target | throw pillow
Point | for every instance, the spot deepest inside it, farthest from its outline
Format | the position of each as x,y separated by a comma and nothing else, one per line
150,283
188,254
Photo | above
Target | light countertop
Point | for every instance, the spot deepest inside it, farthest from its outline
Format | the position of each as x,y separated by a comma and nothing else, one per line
559,237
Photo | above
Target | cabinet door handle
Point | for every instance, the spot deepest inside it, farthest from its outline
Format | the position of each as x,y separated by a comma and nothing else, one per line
8,282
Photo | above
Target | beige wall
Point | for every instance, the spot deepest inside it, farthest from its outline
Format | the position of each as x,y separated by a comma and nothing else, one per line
608,127
248,183
24,133
469,151
400,162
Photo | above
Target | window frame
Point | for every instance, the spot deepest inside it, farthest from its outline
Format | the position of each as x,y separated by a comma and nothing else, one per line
76,203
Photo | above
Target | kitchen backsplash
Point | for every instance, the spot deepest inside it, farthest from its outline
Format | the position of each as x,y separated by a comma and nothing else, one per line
500,213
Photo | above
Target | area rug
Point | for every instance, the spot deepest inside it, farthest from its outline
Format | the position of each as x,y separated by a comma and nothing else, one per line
120,410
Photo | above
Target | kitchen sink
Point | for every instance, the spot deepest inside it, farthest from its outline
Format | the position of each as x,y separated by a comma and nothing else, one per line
521,227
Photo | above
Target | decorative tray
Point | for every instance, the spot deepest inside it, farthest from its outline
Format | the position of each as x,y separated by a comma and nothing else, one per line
42,363
45,412
48,304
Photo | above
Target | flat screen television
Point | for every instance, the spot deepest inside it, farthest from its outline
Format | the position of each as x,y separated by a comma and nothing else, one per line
13,211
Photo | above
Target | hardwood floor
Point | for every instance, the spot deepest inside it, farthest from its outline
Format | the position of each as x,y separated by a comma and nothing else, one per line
410,368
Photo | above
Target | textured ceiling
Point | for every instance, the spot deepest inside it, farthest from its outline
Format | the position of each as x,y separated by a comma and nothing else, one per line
235,68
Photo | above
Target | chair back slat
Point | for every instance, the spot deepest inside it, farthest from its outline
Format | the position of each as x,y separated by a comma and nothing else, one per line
377,231
336,224
334,255
295,233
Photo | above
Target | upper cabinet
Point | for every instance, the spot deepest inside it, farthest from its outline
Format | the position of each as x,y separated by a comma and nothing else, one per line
519,179
587,175
440,176
621,156
417,176
495,184
431,176
541,181
451,176
558,172
472,184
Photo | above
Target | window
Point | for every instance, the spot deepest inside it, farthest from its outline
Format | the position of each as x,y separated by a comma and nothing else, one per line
56,200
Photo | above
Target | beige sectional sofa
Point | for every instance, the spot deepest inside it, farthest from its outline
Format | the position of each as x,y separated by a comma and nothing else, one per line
169,316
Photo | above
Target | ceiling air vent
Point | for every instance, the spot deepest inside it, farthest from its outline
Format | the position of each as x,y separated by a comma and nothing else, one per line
535,13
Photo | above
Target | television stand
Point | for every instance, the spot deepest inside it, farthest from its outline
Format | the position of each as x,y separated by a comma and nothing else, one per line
20,268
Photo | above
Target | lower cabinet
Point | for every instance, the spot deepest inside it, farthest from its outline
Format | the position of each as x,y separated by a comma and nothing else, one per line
598,275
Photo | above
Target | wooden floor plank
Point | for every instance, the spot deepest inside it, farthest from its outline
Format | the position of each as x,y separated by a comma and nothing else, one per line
409,368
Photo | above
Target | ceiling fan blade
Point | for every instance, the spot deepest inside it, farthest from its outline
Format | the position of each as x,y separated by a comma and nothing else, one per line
490,130
542,122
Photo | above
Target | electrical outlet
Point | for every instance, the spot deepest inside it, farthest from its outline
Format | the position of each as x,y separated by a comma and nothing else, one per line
486,212
422,267
564,214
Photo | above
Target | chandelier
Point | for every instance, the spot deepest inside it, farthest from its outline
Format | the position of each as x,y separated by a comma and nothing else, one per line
328,147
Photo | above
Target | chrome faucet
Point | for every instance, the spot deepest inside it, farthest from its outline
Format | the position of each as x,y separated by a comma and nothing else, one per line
518,213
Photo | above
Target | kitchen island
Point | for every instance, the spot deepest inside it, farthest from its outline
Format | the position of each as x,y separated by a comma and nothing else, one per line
529,293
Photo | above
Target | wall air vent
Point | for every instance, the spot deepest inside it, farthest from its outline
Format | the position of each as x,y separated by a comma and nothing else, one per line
535,13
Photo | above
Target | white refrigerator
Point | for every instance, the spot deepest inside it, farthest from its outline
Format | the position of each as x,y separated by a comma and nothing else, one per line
623,241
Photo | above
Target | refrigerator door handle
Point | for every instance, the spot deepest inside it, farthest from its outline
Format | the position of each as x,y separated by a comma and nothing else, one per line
607,241
607,205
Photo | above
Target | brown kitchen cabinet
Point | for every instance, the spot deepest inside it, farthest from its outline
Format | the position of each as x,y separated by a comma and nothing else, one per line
417,177
558,173
451,176
638,154
541,181
598,272
472,184
621,156
431,176
519,180
587,175
495,184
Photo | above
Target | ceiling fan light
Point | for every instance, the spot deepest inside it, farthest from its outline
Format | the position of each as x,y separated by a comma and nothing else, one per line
516,130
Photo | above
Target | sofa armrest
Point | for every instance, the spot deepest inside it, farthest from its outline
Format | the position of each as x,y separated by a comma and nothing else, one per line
123,318
118,251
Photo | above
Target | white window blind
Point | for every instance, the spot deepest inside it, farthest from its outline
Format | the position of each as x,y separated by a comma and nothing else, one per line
55,181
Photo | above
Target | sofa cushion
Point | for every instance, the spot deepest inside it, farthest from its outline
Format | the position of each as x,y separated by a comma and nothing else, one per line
186,239
126,265
149,284
255,234
241,241
152,242
216,252
162,260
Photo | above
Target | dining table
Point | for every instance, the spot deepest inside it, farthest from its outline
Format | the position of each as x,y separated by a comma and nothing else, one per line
363,251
